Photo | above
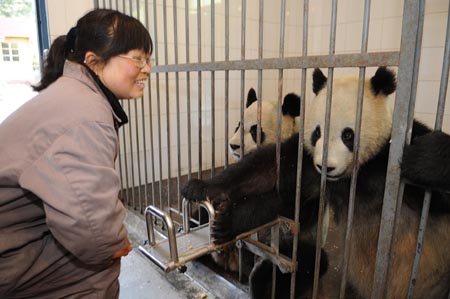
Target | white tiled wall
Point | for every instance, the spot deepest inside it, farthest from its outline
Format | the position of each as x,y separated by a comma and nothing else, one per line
384,35
63,14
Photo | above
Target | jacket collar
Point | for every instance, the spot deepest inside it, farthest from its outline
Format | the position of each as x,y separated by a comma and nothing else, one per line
87,76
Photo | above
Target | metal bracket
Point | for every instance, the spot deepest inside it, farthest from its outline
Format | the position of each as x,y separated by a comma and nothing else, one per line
177,249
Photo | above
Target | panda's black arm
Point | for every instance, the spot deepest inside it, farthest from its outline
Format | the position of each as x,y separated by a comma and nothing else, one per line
235,217
426,161
253,174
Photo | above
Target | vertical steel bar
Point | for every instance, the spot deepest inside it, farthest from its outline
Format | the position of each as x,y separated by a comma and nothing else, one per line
188,90
213,88
136,124
158,102
243,29
199,90
259,94
359,109
177,97
419,245
260,72
280,88
325,150
138,155
437,127
227,76
300,148
280,99
125,162
275,244
144,141
399,132
119,154
408,134
166,62
131,156
150,114
444,79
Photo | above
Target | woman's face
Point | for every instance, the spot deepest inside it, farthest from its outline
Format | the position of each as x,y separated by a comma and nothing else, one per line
124,74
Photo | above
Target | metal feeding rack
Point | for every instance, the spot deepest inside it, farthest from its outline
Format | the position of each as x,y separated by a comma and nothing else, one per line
175,250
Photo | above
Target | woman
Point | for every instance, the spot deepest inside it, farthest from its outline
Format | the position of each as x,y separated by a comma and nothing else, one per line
61,223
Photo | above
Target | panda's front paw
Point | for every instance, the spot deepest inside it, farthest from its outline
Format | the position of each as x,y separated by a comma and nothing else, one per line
427,161
195,190
221,228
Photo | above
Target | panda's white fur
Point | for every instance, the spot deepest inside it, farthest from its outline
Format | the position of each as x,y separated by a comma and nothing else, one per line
375,127
269,123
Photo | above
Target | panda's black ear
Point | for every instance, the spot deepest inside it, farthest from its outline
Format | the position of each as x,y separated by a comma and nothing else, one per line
383,81
319,80
251,97
291,105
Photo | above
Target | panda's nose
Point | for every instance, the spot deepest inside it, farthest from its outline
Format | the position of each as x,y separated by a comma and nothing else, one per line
234,146
329,169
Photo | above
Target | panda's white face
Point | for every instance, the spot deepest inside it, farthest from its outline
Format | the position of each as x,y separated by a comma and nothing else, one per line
269,124
269,128
375,127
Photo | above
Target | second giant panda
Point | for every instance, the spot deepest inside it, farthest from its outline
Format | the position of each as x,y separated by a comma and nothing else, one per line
246,195
228,257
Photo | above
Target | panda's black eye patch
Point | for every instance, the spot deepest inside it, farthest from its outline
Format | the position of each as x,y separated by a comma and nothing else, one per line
348,135
237,128
254,132
315,135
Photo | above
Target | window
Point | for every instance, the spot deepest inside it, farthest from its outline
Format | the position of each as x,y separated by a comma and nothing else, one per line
10,52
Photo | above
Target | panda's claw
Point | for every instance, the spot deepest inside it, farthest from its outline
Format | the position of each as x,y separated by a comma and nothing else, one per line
220,230
195,190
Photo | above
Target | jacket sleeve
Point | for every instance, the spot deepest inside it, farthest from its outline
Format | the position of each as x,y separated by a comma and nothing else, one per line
78,185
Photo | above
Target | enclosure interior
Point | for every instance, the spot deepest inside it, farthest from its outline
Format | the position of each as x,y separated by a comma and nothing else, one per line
208,54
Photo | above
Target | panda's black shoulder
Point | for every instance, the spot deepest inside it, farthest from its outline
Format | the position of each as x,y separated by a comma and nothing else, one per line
419,129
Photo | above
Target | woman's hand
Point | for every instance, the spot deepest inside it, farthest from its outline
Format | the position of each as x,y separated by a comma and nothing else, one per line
124,250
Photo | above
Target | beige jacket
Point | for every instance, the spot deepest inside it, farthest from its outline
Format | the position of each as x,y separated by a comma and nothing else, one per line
60,218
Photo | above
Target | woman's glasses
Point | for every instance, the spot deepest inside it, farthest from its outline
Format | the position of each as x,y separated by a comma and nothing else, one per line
139,62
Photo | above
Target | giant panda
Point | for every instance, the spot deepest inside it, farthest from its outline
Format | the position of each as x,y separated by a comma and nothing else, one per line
245,195
228,257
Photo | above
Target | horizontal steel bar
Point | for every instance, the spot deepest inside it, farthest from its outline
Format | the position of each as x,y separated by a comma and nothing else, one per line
342,60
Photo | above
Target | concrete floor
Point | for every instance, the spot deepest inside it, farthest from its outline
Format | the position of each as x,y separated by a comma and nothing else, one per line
141,279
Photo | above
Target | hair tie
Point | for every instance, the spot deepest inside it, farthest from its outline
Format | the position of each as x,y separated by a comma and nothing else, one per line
69,45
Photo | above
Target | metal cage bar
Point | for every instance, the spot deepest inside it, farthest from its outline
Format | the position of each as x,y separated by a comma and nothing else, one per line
213,88
177,98
199,88
410,30
325,147
227,78
300,147
166,61
358,122
188,89
243,32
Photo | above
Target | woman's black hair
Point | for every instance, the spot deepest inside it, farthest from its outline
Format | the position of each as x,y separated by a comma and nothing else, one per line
105,32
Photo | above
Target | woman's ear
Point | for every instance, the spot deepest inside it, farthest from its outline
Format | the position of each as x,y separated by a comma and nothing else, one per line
91,60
